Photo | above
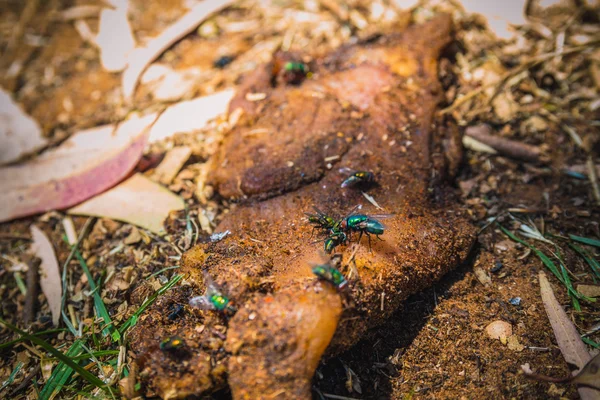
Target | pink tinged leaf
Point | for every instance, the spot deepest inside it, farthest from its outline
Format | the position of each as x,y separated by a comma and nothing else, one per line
19,133
90,162
569,341
50,279
138,201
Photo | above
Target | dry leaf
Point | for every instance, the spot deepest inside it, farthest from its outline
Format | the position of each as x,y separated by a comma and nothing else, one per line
590,374
50,279
571,346
20,134
90,162
589,290
191,115
138,201
141,57
172,163
113,24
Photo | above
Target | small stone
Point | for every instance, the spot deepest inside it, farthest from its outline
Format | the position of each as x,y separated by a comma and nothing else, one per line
515,301
482,276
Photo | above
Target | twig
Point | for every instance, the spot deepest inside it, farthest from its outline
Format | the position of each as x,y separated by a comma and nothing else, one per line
26,381
591,168
506,147
24,21
141,57
32,290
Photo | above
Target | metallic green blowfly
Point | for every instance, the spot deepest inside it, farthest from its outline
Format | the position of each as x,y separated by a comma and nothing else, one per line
320,220
330,274
295,67
365,224
334,239
172,343
357,177
213,298
295,72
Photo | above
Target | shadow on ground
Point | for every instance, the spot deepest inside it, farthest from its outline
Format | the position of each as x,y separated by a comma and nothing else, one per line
377,359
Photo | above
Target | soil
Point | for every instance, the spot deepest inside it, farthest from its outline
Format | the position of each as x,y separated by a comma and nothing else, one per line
435,346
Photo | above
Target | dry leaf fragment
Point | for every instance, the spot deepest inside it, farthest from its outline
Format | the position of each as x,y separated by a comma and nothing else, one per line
50,279
482,276
114,24
589,290
137,200
88,163
172,163
20,134
571,346
191,115
141,57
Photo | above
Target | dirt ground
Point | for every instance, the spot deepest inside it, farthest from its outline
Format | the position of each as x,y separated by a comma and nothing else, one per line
436,346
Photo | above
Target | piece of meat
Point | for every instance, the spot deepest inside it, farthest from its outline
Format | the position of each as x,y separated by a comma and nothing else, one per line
366,107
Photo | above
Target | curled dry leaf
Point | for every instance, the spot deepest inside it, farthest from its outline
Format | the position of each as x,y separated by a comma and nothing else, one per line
138,201
50,279
90,162
20,134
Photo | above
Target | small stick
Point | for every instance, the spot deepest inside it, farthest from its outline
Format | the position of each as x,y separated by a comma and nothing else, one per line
591,167
32,290
506,147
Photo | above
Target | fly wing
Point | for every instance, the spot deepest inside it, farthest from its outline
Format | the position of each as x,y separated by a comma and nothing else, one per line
202,303
381,216
354,210
346,170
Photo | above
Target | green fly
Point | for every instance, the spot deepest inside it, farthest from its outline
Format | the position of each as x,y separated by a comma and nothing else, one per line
330,274
334,239
365,224
172,343
320,220
294,72
357,178
213,298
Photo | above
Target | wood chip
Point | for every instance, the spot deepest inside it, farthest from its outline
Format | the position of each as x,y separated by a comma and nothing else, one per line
171,164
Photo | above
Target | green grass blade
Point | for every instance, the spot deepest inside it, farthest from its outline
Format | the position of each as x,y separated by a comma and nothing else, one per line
590,342
20,339
594,265
584,240
94,380
11,378
561,275
61,374
98,303
131,321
